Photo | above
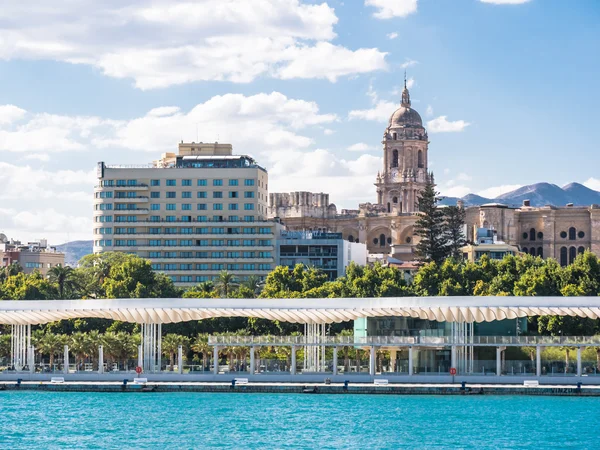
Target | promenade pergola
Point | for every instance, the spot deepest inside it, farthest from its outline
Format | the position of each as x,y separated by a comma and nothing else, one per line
462,312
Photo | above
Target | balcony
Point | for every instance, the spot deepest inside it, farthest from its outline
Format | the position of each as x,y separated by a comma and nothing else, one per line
127,212
133,187
130,200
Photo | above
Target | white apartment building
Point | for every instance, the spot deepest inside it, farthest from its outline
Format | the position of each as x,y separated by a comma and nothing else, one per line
193,214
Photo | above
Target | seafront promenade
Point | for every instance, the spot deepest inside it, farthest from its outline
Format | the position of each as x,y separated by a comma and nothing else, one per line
309,388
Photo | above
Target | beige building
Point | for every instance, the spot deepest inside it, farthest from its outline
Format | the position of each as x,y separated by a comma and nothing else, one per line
387,226
193,214
485,242
31,256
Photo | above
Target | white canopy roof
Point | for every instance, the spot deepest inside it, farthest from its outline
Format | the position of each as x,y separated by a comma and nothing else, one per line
315,310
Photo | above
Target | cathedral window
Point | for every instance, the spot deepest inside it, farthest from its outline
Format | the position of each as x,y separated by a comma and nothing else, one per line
420,159
540,235
395,136
581,250
563,256
540,252
375,241
532,234
525,235
382,240
525,250
572,233
350,238
389,240
563,234
581,235
572,254
395,200
389,207
395,158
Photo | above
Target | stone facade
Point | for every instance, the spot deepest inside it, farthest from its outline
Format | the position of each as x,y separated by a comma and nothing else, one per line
387,225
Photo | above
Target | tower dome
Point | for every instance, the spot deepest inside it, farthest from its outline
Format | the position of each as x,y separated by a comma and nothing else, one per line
405,116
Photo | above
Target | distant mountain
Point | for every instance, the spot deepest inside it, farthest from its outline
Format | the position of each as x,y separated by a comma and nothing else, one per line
75,250
539,194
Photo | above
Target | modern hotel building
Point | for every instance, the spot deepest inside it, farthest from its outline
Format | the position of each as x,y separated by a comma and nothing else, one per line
193,214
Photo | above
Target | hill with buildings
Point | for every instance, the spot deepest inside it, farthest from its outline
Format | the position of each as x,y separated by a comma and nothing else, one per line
539,194
75,250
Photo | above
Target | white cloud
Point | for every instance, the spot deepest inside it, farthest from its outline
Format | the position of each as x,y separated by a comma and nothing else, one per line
454,190
409,63
592,183
505,2
328,131
463,177
392,36
386,9
429,111
410,83
10,114
442,125
495,191
361,147
37,156
381,112
165,43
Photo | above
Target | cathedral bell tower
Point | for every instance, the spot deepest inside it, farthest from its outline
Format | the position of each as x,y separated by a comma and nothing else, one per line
405,145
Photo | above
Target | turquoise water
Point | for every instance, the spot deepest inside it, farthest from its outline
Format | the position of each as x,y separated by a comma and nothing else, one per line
48,420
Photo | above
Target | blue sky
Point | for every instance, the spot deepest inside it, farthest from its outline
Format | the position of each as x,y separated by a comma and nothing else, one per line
507,88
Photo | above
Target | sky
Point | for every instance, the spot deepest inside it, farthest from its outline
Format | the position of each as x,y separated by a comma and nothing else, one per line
508,90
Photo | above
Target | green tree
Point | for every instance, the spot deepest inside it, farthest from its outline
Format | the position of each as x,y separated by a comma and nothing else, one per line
226,283
431,227
170,346
455,223
5,342
64,277
28,287
52,345
200,346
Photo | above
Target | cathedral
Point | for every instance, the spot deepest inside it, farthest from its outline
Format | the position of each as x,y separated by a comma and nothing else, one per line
387,226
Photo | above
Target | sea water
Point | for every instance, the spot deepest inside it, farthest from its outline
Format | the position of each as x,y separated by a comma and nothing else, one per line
49,420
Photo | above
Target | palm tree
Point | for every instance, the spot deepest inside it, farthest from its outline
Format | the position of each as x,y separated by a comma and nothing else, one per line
225,283
170,346
79,344
346,349
10,270
200,345
206,286
255,284
51,344
120,347
64,277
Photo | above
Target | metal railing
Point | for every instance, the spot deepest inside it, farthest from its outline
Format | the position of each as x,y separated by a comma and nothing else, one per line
517,341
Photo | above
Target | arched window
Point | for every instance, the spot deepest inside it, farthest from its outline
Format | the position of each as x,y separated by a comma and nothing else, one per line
389,207
540,252
395,136
375,241
389,240
563,256
382,240
532,234
525,250
420,158
395,200
572,254
572,234
350,238
395,158
581,250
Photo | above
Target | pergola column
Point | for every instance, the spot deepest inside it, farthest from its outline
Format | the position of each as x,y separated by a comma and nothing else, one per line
453,357
140,356
499,360
216,360
538,361
65,360
411,368
393,355
372,361
579,371
293,368
152,346
31,359
252,361
100,359
20,343
180,359
335,360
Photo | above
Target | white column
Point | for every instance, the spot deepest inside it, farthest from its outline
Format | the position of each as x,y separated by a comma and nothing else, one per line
100,359
393,354
538,361
66,360
335,360
252,362
498,361
293,368
453,357
140,355
372,361
31,359
411,368
579,361
216,360
180,359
